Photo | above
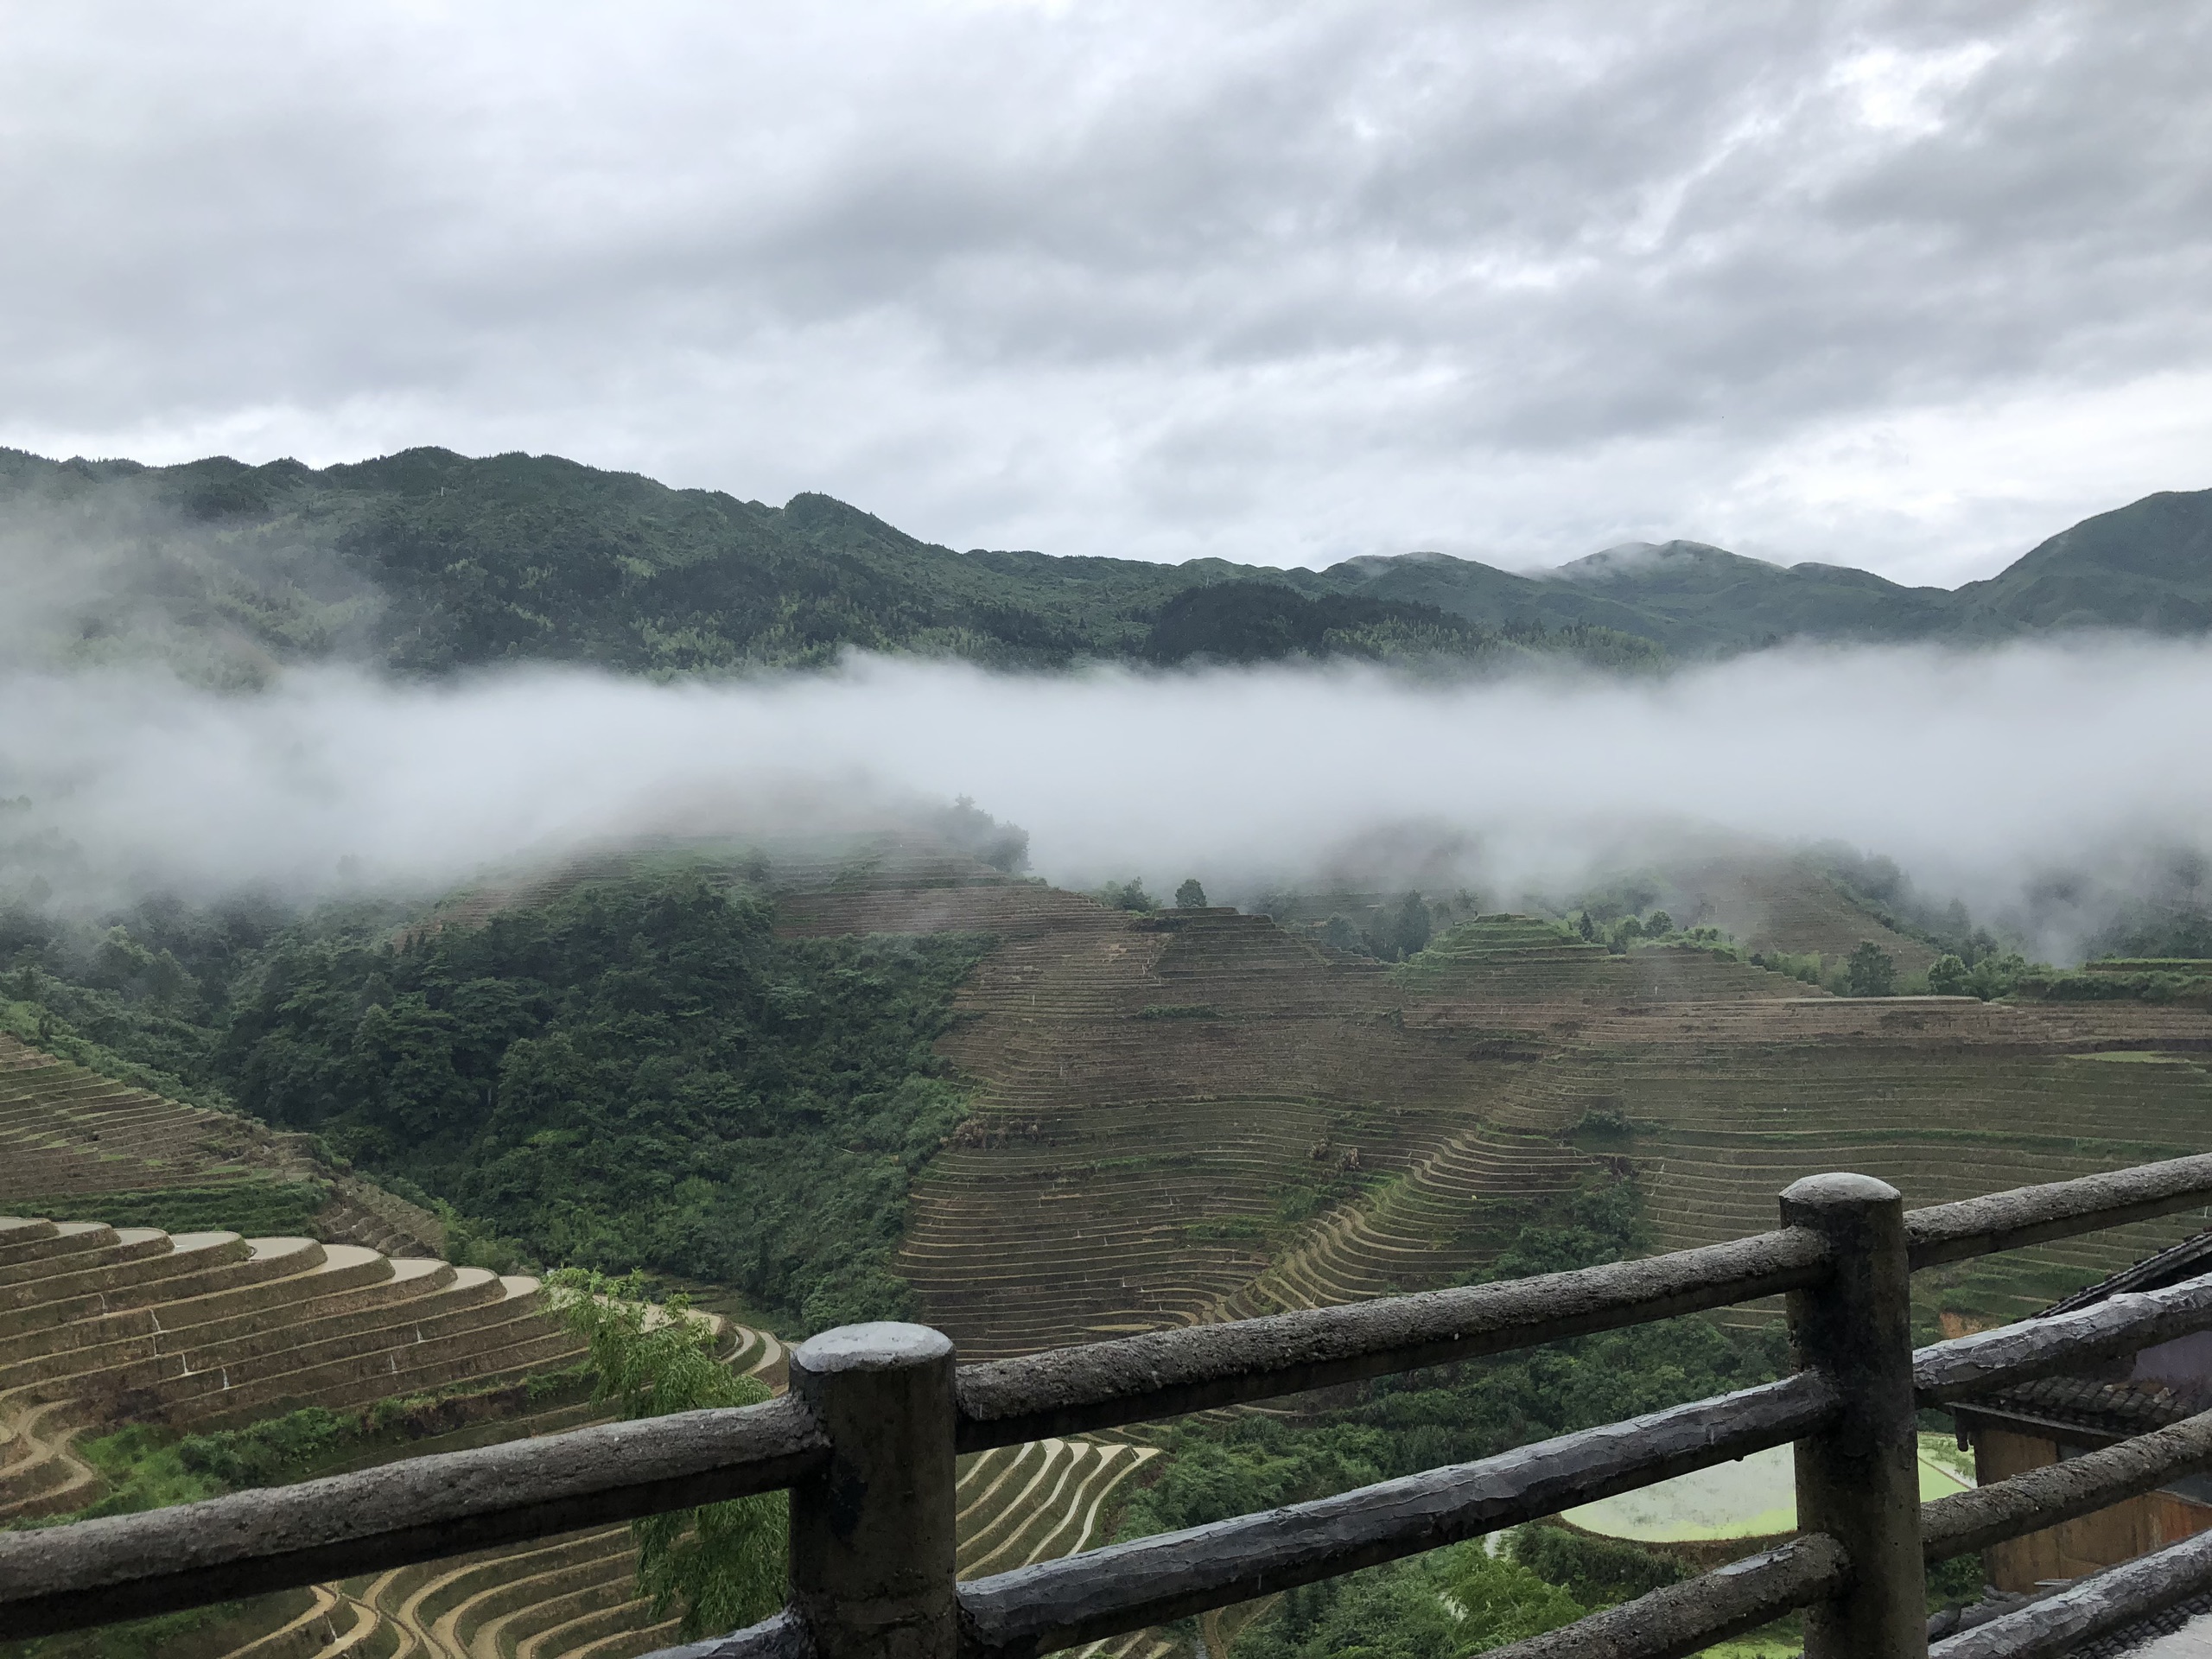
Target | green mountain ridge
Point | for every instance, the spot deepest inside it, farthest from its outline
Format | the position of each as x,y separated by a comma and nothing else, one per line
428,562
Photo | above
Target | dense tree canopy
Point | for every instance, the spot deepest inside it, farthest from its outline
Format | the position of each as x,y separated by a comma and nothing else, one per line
639,1074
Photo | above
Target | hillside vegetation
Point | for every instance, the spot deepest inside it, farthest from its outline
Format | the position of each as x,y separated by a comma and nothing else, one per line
919,1083
1317,1127
426,562
615,1070
637,1073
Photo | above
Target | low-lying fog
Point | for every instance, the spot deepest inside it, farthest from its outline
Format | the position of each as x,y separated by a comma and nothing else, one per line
1987,774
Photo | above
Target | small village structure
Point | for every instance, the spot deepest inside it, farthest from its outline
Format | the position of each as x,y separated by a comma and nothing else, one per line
2056,1419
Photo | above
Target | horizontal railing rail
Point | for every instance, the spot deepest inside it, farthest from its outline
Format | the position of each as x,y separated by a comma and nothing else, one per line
867,1439
2046,1347
1168,1373
275,1538
1129,1586
2096,1606
1944,1233
1730,1601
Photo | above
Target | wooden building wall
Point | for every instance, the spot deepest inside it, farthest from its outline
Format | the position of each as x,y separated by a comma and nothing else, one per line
2075,1548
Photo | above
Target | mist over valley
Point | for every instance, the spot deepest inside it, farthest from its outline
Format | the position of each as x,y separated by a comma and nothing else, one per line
1321,831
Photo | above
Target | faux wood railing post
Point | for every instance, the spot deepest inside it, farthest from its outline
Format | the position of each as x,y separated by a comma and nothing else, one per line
872,1537
1859,1482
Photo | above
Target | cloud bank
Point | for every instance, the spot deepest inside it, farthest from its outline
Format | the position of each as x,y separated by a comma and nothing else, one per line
1889,284
1985,774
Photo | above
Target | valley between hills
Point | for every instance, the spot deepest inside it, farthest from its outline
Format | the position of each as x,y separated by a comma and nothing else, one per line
1156,1118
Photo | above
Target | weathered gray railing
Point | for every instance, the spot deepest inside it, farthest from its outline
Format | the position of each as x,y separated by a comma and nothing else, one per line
867,1437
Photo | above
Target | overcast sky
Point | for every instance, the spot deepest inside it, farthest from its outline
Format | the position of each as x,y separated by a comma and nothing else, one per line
1909,287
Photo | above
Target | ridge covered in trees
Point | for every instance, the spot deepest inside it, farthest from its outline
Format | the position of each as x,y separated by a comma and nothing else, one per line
426,561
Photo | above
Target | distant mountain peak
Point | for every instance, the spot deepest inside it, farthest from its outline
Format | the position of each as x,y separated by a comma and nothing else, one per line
1647,558
1372,564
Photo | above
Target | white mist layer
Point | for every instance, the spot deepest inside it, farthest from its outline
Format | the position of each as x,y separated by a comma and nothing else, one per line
1982,773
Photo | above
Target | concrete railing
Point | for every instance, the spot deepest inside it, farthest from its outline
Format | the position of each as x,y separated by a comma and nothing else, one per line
867,1437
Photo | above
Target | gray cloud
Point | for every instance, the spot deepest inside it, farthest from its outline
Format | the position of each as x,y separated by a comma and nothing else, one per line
1904,286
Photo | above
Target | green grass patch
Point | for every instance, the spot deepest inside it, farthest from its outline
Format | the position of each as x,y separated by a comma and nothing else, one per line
258,1209
1236,1228
1179,1011
149,1467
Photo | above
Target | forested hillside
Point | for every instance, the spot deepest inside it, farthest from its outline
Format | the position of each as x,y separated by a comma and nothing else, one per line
633,1072
426,562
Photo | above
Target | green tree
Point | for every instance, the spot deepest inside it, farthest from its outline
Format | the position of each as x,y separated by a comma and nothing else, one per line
1660,925
1339,934
1409,929
1995,975
722,1564
1595,1572
1127,895
1871,971
1586,927
1501,1601
1947,977
1442,1605
1191,895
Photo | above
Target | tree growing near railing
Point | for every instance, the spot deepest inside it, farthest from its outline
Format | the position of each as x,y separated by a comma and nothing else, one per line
1449,1604
721,1566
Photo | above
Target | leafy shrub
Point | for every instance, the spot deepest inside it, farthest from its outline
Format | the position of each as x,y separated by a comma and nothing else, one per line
258,1209
1871,971
268,1453
1805,967
1595,1572
1127,895
722,1564
1451,1602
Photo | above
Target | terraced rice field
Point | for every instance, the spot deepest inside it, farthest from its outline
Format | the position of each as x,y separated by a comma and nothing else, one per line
1946,1099
1183,1118
572,1598
1162,1102
1158,1100
1021,1504
69,1133
1755,1497
566,1598
73,1143
1777,903
102,1326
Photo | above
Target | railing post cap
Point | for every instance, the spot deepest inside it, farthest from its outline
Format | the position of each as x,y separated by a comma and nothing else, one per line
1827,1191
882,1345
